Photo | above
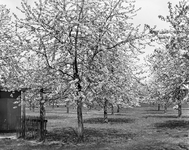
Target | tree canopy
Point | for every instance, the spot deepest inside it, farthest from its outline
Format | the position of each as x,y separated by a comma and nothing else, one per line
169,62
78,50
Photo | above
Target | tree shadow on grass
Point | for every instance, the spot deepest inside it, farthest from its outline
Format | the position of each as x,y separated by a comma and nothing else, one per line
172,124
92,135
164,116
107,135
121,114
110,120
154,112
158,145
56,117
66,135
160,116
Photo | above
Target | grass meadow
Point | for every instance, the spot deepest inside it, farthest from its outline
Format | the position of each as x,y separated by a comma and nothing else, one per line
140,128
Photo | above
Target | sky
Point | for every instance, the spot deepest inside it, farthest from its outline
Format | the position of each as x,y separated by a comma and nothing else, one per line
150,10
12,4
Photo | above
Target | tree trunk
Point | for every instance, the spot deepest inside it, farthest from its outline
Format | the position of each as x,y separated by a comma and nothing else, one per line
67,107
33,107
30,103
159,106
118,109
79,107
23,115
179,109
42,116
165,107
53,104
56,103
106,111
80,121
76,76
112,109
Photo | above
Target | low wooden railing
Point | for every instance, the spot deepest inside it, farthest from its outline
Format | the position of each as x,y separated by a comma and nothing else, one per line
32,127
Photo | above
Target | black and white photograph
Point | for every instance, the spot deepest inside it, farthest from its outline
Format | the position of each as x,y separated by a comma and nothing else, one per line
94,74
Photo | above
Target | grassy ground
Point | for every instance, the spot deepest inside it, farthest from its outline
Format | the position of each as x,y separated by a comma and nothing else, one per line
142,128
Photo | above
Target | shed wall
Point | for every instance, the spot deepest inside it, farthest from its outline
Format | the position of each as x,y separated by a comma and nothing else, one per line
10,110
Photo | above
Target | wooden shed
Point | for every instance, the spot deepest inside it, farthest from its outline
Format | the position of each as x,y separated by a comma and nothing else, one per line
10,110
